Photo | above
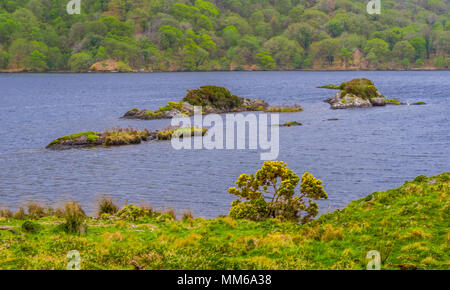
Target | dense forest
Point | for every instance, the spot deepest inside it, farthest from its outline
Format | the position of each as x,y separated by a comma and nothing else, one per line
191,35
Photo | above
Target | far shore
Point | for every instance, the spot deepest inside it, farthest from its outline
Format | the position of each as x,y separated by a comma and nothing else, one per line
184,71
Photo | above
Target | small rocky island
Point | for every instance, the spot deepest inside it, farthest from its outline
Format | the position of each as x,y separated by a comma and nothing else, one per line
290,124
121,136
358,93
213,100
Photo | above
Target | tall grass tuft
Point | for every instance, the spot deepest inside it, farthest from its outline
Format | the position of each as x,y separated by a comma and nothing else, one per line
172,213
35,211
6,213
75,218
30,227
187,215
148,209
106,206
20,214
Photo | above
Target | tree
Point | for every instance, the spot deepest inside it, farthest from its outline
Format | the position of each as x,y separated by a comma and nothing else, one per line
345,55
203,22
442,43
404,50
231,35
117,27
270,193
195,55
4,59
303,33
378,48
335,26
171,37
296,13
185,12
112,29
420,47
326,49
266,61
287,53
8,26
406,63
55,59
79,62
207,8
22,49
440,62
36,61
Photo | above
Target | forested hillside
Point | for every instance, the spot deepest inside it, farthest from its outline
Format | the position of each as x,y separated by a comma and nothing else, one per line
190,35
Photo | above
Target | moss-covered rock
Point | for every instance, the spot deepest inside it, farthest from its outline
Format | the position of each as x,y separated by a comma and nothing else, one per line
330,86
115,137
120,136
418,103
290,124
393,102
216,97
212,99
358,93
89,138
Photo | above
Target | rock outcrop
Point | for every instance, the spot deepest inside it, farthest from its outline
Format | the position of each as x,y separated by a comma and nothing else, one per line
120,136
290,124
213,100
358,93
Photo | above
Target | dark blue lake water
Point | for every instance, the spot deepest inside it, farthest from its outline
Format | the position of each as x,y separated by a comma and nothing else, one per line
366,150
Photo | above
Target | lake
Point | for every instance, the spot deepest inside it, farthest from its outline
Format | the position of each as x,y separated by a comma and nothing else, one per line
366,150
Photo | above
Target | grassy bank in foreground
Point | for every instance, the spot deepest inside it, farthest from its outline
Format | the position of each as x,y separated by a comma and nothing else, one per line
409,226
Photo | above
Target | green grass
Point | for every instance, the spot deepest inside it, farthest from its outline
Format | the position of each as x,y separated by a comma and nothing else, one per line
91,135
362,88
168,133
114,137
330,86
284,109
408,225
393,101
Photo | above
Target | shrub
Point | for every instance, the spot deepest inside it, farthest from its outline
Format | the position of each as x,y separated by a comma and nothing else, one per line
440,62
124,136
35,211
420,62
172,213
214,96
170,131
165,217
252,210
6,213
131,212
187,215
74,217
123,67
271,193
30,227
4,59
363,88
107,206
20,214
79,62
421,178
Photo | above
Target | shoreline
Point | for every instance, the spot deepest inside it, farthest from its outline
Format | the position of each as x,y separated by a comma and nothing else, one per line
411,219
231,71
